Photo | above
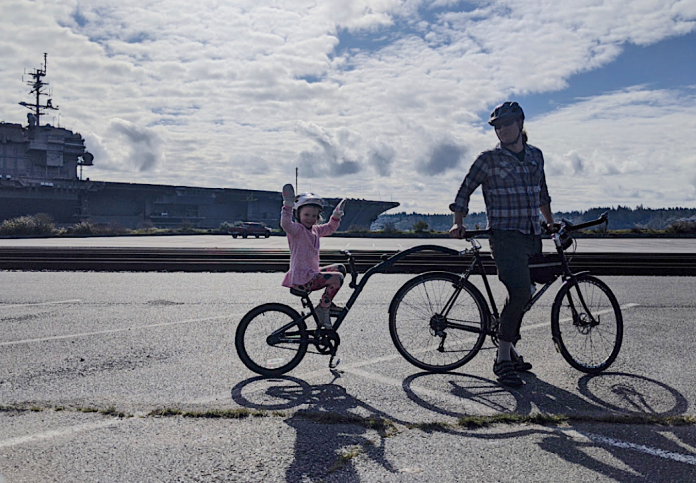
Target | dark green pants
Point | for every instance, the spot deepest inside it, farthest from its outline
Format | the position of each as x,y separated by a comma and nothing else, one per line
511,250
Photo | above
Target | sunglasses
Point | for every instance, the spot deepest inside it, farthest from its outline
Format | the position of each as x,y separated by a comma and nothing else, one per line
503,124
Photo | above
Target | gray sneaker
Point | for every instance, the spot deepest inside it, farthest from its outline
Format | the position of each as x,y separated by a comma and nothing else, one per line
323,316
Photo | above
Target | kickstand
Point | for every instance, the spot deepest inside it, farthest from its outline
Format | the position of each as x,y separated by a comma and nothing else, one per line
334,361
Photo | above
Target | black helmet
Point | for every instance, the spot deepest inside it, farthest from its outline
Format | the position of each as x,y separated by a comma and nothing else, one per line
505,111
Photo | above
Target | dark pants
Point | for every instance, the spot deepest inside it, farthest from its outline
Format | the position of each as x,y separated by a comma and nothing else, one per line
511,250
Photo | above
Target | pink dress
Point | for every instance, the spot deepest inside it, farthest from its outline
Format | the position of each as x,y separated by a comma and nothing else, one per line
304,247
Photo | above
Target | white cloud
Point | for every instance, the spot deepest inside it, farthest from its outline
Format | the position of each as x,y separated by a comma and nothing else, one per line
619,145
141,148
241,93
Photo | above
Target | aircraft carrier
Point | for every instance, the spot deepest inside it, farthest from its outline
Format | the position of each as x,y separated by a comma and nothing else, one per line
41,172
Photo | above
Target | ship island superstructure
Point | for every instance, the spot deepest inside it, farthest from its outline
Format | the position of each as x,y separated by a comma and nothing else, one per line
41,172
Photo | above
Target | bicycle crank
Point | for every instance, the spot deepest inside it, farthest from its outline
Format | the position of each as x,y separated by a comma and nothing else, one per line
327,341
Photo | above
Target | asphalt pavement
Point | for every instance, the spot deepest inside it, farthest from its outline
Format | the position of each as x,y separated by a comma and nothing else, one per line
134,377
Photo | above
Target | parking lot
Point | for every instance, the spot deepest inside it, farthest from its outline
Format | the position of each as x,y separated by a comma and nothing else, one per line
134,377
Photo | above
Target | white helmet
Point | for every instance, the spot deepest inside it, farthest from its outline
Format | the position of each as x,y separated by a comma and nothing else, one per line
308,199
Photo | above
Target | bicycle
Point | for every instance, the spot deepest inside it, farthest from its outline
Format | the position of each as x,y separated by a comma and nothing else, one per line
438,321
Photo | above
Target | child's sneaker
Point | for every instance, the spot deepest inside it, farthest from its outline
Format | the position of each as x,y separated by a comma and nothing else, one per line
323,316
335,310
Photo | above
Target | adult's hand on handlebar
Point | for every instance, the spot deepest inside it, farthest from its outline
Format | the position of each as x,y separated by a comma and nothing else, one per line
553,228
457,231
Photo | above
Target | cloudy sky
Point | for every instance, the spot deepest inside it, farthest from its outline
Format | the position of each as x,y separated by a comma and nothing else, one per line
376,99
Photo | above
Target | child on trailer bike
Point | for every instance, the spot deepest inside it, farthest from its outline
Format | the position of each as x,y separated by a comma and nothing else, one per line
303,239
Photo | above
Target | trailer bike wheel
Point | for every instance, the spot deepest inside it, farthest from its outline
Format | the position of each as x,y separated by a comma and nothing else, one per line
271,339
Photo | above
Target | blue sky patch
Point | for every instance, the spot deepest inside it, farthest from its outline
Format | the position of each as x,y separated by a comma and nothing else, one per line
668,64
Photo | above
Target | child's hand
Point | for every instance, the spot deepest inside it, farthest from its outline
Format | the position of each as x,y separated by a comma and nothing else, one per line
288,195
338,211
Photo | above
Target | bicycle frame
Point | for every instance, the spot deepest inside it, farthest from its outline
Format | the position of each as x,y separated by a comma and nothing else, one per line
566,275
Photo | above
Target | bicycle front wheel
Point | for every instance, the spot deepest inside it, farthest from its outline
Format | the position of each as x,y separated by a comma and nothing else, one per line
586,324
271,340
437,321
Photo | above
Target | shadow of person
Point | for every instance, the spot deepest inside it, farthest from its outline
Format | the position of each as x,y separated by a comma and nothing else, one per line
332,427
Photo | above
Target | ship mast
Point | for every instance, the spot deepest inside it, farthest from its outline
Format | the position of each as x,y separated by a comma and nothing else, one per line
38,85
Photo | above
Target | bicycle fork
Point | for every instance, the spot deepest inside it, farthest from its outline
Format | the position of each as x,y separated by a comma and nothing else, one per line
583,321
586,319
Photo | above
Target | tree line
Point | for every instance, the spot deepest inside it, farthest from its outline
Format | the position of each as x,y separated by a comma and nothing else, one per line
620,218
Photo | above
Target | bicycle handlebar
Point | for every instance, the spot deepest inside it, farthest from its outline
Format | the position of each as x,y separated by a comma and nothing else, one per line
603,218
475,233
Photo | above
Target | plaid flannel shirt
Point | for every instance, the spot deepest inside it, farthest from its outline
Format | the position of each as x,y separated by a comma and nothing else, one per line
512,190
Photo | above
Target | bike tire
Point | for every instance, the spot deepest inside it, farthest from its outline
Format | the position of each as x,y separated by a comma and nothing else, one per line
262,355
414,318
590,349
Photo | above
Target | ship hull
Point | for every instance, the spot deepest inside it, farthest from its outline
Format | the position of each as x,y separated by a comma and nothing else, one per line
134,206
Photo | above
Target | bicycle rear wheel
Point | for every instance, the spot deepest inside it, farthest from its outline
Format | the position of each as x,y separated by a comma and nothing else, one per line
271,340
427,337
588,334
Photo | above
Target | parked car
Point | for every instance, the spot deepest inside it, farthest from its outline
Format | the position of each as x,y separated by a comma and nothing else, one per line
249,228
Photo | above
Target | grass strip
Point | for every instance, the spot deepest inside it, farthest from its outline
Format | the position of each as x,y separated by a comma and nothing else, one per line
383,425
240,413
473,422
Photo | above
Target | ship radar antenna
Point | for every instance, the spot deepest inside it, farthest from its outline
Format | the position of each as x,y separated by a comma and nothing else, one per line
37,85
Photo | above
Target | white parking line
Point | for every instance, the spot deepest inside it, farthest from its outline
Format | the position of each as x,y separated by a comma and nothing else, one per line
660,453
74,301
56,433
607,311
111,331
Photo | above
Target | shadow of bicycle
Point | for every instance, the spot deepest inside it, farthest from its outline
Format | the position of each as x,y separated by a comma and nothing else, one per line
599,415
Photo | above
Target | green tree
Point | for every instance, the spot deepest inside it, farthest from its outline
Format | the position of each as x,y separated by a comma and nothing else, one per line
420,226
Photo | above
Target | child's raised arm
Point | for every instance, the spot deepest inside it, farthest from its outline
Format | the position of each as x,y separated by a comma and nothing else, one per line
335,220
286,212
